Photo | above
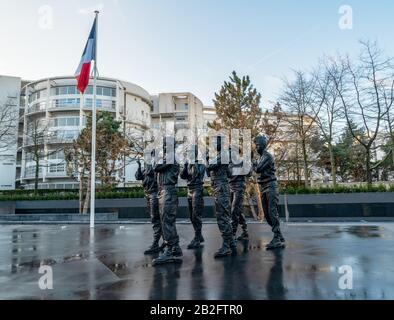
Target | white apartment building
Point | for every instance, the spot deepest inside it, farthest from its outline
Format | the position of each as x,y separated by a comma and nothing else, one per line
10,88
176,111
209,115
53,107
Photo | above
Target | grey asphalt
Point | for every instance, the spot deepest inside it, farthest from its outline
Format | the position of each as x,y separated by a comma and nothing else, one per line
109,263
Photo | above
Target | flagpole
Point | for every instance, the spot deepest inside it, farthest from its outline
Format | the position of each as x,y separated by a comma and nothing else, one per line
94,129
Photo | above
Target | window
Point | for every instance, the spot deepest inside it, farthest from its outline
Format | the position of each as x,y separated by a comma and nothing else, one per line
102,91
29,157
39,106
57,168
73,122
89,90
67,103
65,90
65,135
107,104
69,122
107,92
61,91
182,107
56,155
31,171
62,122
37,95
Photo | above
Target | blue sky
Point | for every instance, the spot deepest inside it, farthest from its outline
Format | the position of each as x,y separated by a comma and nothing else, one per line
187,45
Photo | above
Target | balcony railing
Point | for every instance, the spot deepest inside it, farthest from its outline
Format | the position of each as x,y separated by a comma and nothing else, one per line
40,107
61,174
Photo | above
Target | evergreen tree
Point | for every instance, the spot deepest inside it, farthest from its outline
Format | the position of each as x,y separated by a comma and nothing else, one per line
111,148
238,106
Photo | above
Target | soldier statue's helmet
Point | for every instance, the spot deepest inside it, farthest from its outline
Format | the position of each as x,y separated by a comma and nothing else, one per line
262,141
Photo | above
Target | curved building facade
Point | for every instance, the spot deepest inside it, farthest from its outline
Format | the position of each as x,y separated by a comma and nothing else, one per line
55,113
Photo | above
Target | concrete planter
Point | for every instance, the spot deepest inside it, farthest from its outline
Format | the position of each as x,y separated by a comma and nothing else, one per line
7,207
340,205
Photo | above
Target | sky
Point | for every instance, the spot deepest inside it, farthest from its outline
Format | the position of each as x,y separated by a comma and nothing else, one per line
188,45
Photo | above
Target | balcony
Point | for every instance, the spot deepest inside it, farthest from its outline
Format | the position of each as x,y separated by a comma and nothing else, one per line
36,108
62,174
61,140
65,104
73,104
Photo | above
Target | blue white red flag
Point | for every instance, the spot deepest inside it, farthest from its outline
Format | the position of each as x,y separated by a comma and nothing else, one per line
89,54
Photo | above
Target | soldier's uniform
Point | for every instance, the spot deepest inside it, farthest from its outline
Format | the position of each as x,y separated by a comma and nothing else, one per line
149,183
218,173
268,184
167,176
237,195
195,174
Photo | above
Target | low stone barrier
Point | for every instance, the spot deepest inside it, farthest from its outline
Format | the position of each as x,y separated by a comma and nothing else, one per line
298,206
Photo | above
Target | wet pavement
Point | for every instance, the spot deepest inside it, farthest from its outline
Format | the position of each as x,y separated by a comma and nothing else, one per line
110,263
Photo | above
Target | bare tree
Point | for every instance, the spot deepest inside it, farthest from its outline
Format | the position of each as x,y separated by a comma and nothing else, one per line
112,147
37,135
366,93
327,110
299,99
9,116
272,124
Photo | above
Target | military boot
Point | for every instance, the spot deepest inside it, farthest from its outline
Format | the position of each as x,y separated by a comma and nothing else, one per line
244,236
154,248
276,243
233,247
163,246
195,244
200,238
224,251
281,237
177,251
166,257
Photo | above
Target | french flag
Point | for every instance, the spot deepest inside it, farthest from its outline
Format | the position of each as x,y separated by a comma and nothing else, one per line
83,72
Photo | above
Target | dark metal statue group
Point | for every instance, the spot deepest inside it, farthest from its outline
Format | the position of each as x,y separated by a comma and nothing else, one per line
160,181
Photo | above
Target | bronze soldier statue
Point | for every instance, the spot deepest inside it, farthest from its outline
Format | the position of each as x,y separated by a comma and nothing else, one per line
237,180
194,173
167,176
268,182
149,183
218,170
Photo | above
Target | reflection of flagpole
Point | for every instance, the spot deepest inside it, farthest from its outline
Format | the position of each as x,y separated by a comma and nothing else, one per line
94,120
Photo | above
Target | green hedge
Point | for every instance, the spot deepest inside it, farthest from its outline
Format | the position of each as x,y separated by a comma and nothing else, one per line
337,189
124,193
138,192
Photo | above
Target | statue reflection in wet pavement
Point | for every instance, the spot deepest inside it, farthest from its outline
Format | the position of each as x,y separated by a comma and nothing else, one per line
235,278
165,282
197,286
275,287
